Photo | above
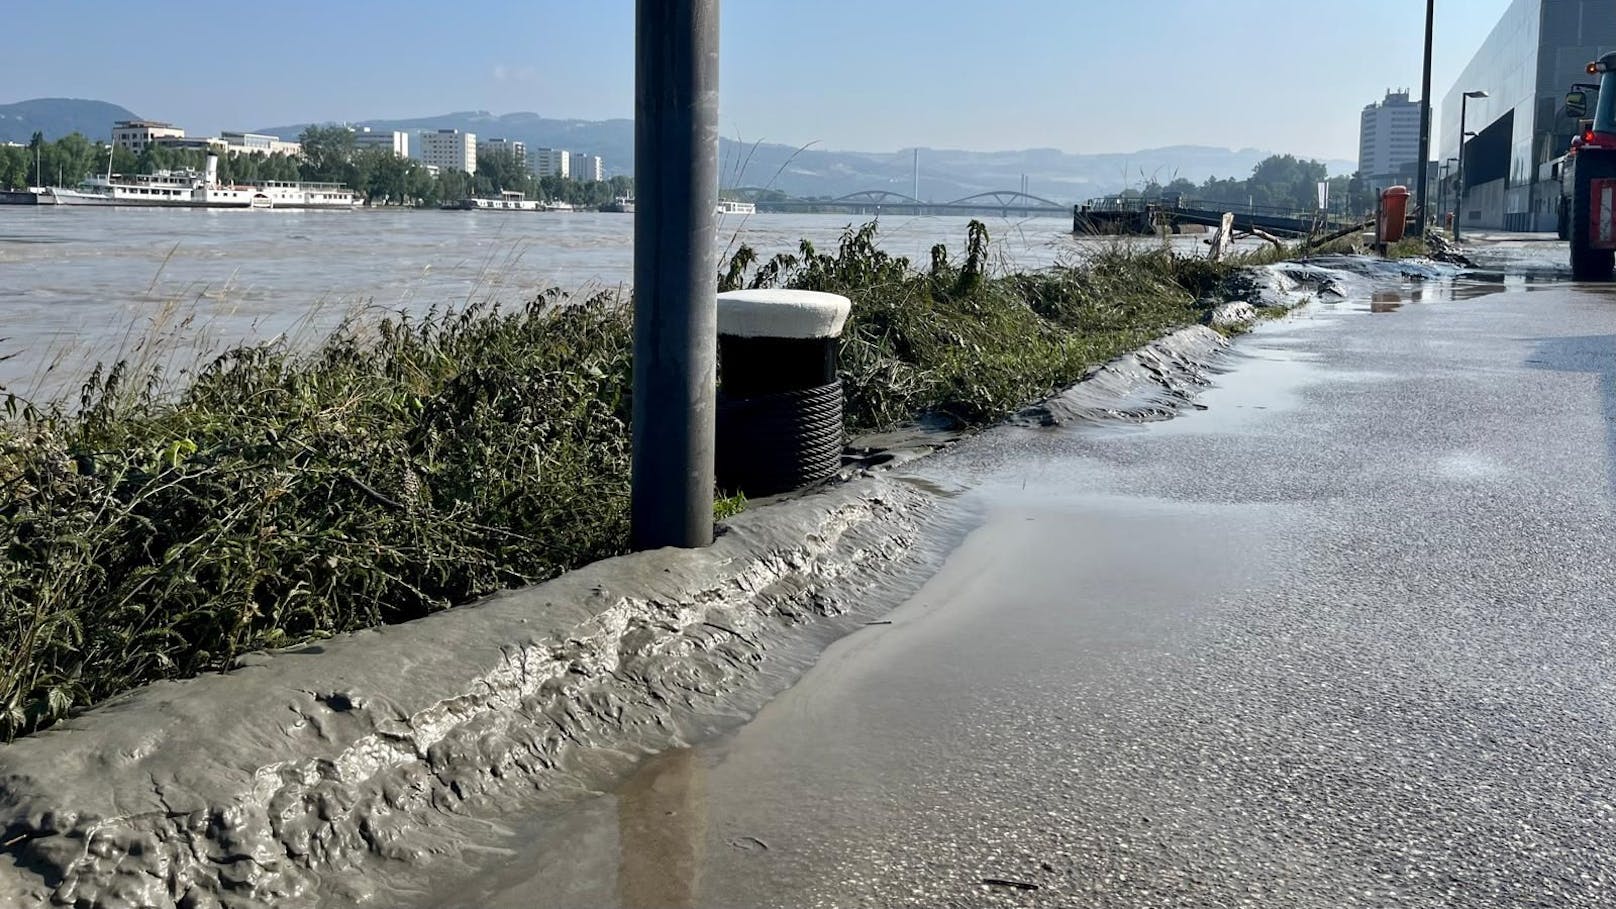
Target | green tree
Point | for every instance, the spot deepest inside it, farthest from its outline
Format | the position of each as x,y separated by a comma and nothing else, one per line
327,153
453,185
14,163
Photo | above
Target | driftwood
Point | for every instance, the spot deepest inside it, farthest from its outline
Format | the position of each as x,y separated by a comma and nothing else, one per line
1222,239
1265,235
1260,234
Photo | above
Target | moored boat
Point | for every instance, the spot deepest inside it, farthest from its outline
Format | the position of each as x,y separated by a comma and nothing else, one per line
509,200
56,195
201,189
733,207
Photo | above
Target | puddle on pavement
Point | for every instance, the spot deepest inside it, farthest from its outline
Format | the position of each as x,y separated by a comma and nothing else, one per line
1263,377
1385,301
662,831
1471,285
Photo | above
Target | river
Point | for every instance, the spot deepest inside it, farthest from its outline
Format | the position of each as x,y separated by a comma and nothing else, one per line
81,285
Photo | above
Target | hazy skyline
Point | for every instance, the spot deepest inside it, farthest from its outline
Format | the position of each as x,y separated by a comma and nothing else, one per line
1079,75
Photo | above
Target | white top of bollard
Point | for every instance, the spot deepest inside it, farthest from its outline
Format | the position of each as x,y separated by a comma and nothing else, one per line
782,314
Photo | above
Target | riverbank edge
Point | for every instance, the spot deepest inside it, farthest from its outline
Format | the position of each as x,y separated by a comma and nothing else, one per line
379,747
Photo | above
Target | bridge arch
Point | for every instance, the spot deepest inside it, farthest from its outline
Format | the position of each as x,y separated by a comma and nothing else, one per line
1007,198
877,197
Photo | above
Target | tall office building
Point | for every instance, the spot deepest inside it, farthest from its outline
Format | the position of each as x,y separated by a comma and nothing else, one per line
552,162
1389,141
395,141
512,147
448,149
588,168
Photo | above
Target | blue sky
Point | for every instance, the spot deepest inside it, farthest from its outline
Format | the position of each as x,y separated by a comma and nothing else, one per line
1078,75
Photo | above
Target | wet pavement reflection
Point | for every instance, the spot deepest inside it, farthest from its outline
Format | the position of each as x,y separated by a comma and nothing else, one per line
662,832
1341,638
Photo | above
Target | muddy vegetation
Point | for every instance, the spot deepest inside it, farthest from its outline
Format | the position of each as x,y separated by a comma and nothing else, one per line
159,527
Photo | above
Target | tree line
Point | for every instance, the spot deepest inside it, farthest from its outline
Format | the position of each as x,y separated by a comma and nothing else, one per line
330,155
1278,181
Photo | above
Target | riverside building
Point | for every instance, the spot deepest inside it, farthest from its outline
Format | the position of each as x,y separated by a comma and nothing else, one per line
1532,57
259,144
1389,141
588,168
512,147
395,141
552,162
136,135
449,149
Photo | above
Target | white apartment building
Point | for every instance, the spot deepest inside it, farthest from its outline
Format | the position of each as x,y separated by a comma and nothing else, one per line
395,141
135,135
448,148
588,168
552,162
259,144
1389,141
504,147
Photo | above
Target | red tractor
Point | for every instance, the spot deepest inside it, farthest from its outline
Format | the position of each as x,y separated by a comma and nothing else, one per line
1588,179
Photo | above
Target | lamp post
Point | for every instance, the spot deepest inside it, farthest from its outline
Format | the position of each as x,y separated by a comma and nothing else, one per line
1458,205
675,272
1425,127
1443,171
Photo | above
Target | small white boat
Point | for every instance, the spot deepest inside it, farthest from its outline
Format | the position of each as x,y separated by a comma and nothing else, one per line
621,205
732,207
558,206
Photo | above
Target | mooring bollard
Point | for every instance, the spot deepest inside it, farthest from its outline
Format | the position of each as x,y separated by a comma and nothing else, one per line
779,397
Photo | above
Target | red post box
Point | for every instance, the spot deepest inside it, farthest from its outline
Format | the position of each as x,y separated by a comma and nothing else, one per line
1393,213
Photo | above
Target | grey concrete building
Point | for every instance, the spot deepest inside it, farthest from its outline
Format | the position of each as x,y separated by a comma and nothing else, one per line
512,147
1389,141
1538,49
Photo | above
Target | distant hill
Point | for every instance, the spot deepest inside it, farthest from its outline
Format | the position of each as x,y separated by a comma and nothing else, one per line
945,174
58,117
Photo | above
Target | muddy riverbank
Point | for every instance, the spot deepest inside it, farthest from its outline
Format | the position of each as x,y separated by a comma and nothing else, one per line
355,768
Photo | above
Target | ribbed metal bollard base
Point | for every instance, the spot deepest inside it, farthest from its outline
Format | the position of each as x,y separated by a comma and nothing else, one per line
778,442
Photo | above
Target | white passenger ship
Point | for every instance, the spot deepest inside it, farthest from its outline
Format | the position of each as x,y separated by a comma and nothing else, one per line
509,200
734,207
193,189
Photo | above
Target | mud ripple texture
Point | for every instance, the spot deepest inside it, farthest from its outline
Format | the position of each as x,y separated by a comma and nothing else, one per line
344,771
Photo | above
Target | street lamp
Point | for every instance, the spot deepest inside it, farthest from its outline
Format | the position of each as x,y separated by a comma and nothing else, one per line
1458,206
1443,171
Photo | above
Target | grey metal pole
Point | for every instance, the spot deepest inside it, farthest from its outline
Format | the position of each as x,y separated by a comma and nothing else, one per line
1425,124
675,271
1442,186
1459,187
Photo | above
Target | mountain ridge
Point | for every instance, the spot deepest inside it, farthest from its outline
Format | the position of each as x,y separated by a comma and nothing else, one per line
806,170
58,117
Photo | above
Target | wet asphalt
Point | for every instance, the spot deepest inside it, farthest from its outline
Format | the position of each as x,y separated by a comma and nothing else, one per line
1344,638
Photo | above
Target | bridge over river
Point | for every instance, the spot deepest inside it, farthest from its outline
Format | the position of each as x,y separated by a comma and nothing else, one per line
1004,202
